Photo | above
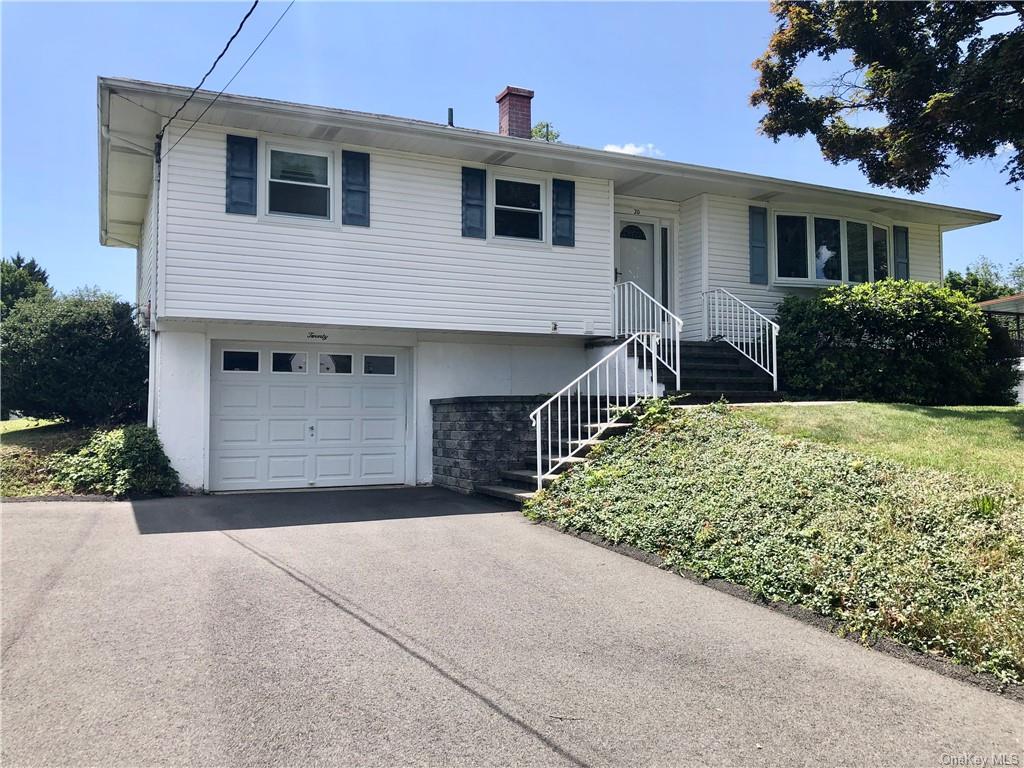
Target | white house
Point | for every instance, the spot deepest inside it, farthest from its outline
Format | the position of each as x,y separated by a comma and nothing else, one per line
312,278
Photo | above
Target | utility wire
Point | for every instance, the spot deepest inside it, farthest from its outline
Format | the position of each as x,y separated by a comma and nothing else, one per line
212,66
229,82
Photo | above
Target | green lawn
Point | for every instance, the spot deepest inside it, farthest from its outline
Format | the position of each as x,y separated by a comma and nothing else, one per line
25,449
984,441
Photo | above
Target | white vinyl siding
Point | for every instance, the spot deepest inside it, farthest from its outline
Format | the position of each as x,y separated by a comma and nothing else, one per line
688,268
729,252
410,269
145,277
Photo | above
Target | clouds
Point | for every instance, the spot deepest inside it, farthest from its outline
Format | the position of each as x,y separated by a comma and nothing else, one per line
647,150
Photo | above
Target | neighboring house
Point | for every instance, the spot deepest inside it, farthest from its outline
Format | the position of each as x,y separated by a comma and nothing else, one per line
1008,311
313,278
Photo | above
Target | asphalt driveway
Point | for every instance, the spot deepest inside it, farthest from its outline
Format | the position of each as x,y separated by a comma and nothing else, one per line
417,627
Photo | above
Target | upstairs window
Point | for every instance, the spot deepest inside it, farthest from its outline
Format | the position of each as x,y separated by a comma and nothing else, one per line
518,209
299,184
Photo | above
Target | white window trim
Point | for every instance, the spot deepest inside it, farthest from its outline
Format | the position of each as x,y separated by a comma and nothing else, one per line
362,367
332,183
259,360
349,355
543,181
843,249
289,352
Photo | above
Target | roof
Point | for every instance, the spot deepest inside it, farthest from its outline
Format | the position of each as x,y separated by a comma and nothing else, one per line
1012,303
132,111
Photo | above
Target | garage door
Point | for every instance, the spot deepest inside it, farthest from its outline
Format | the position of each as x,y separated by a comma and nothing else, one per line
298,416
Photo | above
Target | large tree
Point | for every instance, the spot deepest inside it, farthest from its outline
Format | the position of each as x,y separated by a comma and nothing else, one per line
20,279
917,84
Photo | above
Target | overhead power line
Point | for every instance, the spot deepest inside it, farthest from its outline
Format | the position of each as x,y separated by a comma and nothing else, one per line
229,82
212,66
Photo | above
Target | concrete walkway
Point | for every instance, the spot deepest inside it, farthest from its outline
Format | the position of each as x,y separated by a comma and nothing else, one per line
416,627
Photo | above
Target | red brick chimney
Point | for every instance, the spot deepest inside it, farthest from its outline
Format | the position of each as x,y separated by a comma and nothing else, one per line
514,112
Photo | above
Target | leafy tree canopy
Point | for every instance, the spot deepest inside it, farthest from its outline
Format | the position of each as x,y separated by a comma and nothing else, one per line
934,78
984,280
545,131
79,357
20,279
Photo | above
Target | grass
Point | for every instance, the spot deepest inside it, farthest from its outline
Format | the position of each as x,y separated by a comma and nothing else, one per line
26,446
986,442
931,559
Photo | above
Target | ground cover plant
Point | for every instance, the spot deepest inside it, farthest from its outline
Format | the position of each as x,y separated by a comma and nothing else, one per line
26,449
933,560
119,462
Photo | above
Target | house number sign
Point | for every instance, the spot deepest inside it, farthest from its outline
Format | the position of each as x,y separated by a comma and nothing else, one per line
312,335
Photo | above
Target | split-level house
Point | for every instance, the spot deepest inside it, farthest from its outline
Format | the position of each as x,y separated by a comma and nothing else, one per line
339,298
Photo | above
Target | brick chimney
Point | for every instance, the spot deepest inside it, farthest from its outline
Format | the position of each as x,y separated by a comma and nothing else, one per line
514,112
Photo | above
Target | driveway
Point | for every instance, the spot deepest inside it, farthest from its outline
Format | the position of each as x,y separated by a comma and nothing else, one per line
418,627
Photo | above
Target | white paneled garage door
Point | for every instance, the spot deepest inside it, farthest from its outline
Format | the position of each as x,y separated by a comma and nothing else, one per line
297,416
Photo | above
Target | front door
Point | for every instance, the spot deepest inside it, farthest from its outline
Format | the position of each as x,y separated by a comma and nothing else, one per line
636,254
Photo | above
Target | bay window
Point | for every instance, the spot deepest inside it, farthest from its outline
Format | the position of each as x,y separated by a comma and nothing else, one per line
828,249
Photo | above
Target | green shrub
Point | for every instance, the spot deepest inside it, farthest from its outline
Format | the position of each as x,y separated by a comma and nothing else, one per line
933,560
890,341
120,462
79,357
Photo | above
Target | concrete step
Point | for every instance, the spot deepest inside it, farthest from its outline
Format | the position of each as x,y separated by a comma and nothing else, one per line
506,492
526,478
701,396
722,384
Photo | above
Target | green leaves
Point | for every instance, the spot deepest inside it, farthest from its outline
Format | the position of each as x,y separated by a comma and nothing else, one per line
118,462
933,560
939,83
891,341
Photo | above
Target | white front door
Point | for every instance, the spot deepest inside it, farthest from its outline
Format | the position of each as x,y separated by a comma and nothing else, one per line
637,250
286,415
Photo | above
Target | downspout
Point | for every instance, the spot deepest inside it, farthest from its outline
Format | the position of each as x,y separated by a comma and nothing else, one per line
153,399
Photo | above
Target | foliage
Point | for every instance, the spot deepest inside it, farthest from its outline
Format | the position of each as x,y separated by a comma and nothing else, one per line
545,131
984,280
933,560
20,279
79,357
891,341
985,442
924,81
120,462
27,447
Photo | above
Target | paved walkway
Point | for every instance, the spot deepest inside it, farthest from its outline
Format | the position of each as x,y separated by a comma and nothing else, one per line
416,627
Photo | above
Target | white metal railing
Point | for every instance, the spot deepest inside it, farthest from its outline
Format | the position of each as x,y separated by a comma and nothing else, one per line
581,410
739,324
636,311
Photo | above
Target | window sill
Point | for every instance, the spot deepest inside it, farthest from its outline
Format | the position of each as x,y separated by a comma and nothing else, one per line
804,282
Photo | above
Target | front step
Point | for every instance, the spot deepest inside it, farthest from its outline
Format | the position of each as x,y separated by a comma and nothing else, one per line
705,396
506,492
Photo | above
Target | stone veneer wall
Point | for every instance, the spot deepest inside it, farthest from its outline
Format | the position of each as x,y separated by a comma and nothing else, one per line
477,437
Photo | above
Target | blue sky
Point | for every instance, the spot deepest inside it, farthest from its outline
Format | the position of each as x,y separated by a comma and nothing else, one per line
674,76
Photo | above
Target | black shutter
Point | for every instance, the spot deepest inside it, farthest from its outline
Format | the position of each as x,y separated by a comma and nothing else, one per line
758,245
474,202
355,188
240,184
563,212
901,252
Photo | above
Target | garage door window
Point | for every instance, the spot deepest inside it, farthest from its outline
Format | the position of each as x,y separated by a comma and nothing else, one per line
379,365
288,362
241,361
335,363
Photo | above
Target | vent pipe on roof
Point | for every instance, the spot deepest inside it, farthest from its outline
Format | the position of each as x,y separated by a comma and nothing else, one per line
451,117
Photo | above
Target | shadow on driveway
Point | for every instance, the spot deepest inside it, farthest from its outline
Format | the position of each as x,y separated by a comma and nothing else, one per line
273,510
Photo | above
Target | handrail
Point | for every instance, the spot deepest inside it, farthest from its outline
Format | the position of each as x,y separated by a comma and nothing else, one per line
581,410
636,311
735,322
